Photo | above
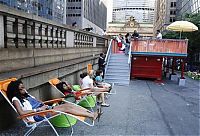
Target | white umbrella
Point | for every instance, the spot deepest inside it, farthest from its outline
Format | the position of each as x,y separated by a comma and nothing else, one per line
182,26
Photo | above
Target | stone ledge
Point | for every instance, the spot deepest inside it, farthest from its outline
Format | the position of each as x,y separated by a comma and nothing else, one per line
27,72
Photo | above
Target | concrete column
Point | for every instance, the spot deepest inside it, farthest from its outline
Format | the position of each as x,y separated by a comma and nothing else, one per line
1,32
94,41
69,39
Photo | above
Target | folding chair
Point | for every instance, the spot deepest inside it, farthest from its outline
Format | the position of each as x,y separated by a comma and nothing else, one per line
85,102
32,125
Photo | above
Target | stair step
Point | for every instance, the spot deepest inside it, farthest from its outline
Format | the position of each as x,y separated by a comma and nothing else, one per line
115,74
117,79
119,83
117,67
110,70
118,70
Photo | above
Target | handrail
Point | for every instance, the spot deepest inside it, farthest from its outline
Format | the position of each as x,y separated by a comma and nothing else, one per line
109,48
109,51
129,54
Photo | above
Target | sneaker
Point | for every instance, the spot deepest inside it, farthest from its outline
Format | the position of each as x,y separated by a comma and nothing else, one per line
99,102
105,105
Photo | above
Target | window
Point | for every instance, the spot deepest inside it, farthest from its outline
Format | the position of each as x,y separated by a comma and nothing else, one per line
173,4
172,12
172,19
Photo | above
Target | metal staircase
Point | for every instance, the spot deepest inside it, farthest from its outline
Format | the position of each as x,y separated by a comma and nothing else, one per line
117,69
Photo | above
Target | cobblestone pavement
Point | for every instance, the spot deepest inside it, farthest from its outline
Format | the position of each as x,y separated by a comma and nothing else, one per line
142,108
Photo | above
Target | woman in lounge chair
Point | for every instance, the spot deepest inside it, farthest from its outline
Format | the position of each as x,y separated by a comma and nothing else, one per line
25,103
68,92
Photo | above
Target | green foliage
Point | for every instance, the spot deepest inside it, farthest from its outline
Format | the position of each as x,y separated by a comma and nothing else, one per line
194,37
171,35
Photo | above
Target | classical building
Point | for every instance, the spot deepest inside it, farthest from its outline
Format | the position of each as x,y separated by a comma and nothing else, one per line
187,6
116,28
142,10
87,14
165,14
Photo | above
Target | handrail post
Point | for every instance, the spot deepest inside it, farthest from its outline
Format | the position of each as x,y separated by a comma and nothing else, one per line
109,51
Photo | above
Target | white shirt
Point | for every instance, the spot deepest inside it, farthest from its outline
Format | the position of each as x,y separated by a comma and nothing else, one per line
26,106
159,36
87,82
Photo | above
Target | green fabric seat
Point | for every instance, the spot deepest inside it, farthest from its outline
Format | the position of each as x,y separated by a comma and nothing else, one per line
91,100
61,121
76,87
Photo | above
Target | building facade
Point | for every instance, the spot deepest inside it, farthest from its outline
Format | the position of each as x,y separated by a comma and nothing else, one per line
50,9
87,14
142,10
145,30
187,6
165,14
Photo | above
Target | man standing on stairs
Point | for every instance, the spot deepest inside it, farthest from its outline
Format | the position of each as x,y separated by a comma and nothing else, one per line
102,63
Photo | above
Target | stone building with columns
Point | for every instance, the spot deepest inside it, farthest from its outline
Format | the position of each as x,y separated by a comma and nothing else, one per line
144,29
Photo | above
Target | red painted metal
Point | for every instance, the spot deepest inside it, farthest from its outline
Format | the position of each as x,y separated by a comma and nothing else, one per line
160,46
147,67
116,48
182,68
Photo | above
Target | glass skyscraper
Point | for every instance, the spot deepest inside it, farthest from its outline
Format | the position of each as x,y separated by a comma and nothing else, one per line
187,6
141,10
50,9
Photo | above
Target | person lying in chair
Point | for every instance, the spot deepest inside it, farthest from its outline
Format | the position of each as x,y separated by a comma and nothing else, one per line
68,92
25,103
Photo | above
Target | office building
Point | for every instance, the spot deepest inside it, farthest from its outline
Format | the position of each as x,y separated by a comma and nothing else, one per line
141,10
165,14
50,9
87,14
187,6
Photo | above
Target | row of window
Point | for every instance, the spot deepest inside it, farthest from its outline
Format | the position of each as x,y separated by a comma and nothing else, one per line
73,7
73,15
74,0
133,9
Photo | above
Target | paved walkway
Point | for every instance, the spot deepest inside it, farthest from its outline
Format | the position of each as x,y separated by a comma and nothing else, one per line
143,108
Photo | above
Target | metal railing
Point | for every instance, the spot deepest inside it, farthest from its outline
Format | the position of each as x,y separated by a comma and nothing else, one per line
129,54
109,52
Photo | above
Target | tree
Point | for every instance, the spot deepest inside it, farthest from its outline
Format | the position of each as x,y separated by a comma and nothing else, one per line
194,37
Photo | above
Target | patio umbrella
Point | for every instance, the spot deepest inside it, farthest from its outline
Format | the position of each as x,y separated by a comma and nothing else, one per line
182,26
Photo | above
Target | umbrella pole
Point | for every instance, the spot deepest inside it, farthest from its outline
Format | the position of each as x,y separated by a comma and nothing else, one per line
180,34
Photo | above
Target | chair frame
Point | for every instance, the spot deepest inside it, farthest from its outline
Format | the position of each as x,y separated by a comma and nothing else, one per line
82,90
33,125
